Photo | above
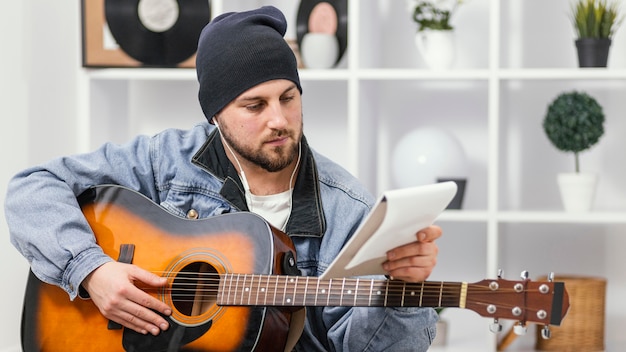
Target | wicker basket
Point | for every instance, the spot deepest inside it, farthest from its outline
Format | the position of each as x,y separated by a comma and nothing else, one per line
582,328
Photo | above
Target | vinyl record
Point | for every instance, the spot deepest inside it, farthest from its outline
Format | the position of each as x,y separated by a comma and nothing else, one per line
159,33
340,8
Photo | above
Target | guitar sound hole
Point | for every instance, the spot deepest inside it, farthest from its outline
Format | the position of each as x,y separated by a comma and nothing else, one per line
194,290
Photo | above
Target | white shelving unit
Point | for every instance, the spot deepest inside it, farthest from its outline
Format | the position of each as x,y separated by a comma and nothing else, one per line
514,57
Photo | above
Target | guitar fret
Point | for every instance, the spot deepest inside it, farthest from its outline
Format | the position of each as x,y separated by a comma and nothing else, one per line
343,285
295,292
230,286
330,282
285,290
244,288
237,293
422,295
258,288
403,294
287,299
317,290
306,291
238,290
265,289
386,292
440,294
369,300
356,291
249,287
275,289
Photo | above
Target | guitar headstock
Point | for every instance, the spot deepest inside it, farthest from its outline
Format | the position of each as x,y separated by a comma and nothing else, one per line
541,302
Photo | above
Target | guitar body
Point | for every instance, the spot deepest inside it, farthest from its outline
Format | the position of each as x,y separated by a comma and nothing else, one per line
192,254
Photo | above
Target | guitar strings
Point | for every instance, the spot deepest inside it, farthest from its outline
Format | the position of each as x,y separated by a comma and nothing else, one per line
287,288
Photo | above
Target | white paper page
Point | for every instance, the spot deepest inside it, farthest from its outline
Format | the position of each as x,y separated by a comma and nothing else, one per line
395,219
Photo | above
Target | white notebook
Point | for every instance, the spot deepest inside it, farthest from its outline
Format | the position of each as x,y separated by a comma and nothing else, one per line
395,219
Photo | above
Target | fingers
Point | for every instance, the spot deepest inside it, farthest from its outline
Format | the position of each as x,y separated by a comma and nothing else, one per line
429,234
144,299
415,261
112,288
138,313
137,317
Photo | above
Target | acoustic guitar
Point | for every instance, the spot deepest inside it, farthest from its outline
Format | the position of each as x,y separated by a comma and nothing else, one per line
233,285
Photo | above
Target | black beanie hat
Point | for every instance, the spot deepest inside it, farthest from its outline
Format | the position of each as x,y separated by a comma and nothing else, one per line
239,50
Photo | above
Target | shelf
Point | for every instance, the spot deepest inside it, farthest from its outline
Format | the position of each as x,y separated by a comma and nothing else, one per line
377,74
463,215
549,216
562,217
422,74
563,73
189,74
166,74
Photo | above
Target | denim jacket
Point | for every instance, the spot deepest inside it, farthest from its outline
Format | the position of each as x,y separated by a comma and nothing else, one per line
185,170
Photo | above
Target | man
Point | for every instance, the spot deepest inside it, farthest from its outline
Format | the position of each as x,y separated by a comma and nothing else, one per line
251,156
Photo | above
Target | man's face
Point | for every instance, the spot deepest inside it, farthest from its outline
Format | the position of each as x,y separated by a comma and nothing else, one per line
264,124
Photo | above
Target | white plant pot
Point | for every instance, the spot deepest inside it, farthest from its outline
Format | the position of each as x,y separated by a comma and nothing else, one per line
577,190
437,47
441,338
319,50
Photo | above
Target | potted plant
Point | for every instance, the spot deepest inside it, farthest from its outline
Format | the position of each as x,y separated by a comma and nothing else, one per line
435,35
574,122
595,22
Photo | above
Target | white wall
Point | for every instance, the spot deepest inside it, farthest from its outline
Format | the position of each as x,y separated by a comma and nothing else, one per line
38,67
13,154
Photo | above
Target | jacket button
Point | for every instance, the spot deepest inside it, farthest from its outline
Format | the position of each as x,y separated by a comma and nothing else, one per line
192,214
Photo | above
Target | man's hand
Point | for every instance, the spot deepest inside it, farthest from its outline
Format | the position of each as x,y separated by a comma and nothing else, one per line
112,289
415,261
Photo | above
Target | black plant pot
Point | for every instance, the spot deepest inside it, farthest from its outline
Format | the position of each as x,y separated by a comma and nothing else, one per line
593,52
457,201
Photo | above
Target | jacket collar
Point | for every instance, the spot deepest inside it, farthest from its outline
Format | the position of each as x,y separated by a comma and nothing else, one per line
307,217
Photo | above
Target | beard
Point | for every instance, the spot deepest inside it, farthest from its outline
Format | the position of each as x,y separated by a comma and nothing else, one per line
273,160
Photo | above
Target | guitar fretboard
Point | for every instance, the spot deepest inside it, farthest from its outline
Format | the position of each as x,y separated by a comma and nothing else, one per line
282,290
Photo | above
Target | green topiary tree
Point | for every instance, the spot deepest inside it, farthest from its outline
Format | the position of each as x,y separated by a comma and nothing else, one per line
574,122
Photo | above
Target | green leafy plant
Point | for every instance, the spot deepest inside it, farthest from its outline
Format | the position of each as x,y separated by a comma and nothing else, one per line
574,122
595,18
433,14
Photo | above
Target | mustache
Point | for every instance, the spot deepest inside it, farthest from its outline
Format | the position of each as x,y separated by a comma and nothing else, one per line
279,134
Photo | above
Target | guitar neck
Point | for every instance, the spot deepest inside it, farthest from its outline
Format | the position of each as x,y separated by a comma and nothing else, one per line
282,290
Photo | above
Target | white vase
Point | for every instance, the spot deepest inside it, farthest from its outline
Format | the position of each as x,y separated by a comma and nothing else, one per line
437,48
577,190
319,50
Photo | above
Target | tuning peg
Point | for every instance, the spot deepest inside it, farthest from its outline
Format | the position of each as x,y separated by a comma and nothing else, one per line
551,277
495,327
546,333
524,275
500,272
520,329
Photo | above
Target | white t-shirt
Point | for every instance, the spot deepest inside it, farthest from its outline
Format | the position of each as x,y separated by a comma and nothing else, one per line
274,208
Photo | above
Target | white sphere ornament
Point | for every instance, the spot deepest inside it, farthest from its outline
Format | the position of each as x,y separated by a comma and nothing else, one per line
426,154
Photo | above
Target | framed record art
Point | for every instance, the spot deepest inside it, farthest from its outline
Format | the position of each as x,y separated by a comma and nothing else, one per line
142,33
